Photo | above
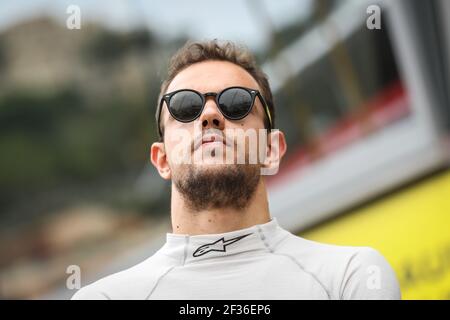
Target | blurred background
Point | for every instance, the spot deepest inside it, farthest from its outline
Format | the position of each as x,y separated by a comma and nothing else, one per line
365,111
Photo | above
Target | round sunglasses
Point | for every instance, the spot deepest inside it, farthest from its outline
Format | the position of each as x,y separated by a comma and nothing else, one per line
235,103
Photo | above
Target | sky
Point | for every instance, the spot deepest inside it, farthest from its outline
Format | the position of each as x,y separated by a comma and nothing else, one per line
245,21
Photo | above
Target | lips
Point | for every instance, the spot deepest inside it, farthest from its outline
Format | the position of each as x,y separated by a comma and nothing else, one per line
209,139
214,138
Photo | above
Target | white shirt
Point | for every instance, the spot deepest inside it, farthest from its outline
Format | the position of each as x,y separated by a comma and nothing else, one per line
264,261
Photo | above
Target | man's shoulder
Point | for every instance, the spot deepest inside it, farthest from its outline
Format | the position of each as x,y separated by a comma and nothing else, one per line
346,271
312,252
135,282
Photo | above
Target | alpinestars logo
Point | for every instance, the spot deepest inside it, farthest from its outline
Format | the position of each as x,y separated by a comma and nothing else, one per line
219,245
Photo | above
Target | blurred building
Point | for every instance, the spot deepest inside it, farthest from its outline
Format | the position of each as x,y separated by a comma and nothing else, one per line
367,113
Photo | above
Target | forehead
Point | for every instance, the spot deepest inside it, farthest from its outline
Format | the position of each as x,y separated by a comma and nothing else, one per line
212,76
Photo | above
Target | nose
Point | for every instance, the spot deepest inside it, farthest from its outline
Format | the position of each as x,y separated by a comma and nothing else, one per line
211,116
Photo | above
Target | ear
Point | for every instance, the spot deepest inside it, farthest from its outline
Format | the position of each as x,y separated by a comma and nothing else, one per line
276,148
158,157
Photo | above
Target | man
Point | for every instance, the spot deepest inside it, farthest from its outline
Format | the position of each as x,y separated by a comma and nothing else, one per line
225,244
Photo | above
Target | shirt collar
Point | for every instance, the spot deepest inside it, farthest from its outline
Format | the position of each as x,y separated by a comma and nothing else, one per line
189,249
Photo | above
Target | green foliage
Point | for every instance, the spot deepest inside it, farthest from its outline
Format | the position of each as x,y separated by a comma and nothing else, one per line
54,138
108,46
2,55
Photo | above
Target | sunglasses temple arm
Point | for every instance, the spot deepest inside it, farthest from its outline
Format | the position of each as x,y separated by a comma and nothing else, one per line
266,109
159,117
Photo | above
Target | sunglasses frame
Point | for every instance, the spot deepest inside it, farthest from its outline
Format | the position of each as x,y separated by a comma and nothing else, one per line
253,93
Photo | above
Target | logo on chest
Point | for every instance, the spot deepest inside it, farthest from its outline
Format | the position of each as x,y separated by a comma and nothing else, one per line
219,245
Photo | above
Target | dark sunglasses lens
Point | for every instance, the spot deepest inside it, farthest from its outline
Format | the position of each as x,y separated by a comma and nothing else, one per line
235,103
185,105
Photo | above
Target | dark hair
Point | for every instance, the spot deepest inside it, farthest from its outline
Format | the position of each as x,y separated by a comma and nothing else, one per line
194,52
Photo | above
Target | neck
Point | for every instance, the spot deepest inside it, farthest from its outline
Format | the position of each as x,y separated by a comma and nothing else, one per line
185,221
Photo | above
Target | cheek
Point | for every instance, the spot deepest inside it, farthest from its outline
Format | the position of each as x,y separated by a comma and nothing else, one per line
178,144
251,122
255,119
250,141
174,128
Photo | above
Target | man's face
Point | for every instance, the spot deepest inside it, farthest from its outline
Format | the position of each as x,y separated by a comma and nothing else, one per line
210,76
209,179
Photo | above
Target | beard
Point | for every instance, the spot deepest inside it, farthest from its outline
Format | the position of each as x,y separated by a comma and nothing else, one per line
206,187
